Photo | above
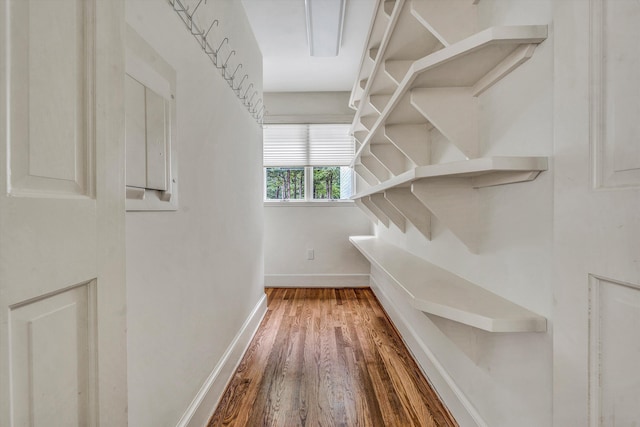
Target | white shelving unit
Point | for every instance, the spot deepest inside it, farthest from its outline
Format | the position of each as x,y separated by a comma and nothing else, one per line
425,65
433,290
442,87
446,190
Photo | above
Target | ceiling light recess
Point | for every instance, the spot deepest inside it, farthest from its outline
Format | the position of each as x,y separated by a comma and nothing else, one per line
324,26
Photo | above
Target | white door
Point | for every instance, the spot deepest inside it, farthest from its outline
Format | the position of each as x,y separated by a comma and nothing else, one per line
596,322
62,295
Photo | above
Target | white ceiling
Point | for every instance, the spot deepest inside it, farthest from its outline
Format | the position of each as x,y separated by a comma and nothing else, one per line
280,28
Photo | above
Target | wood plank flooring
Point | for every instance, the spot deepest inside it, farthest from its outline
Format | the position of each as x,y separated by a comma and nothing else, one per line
328,357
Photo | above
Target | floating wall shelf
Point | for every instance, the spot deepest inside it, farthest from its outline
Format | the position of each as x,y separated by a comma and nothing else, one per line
443,85
447,191
424,66
483,172
434,290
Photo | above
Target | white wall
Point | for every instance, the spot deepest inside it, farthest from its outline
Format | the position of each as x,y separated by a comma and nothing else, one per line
308,107
195,275
291,230
506,379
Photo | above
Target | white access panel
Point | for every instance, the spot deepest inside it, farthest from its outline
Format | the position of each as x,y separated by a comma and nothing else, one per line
135,133
156,141
152,184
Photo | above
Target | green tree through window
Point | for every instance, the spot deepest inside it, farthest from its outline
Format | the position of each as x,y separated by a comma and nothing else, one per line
326,183
321,183
285,183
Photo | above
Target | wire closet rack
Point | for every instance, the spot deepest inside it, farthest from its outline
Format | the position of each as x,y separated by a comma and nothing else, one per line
222,56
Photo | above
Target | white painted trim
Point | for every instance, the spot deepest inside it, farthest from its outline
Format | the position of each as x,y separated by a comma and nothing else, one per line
454,399
309,204
207,398
308,118
317,280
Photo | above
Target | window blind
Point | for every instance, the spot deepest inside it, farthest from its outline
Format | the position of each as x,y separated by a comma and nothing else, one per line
307,145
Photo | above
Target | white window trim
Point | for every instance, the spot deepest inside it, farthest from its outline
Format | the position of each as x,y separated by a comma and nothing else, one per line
308,193
305,204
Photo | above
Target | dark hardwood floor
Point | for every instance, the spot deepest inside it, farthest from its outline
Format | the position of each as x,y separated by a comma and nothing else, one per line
328,357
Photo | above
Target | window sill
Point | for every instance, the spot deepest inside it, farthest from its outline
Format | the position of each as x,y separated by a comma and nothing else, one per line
305,203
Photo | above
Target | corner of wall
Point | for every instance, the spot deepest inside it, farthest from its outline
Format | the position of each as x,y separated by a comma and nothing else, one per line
209,395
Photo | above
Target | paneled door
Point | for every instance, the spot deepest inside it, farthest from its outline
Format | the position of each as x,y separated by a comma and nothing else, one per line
596,322
62,294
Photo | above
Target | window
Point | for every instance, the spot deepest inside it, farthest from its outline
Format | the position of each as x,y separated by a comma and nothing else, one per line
333,182
308,162
285,183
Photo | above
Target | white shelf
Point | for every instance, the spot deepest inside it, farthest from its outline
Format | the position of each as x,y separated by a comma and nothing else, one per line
476,63
482,172
422,72
434,290
402,25
446,191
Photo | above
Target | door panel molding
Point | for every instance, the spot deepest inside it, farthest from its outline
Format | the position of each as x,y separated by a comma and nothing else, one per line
62,207
53,359
51,108
614,380
615,143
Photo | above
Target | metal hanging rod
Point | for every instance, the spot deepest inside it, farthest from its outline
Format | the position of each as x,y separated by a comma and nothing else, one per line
187,16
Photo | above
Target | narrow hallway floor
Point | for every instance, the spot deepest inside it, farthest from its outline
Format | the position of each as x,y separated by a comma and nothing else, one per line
328,357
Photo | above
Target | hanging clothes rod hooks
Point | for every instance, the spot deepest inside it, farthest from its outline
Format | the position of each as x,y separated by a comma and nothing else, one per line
225,40
177,6
240,84
247,91
192,24
195,9
249,104
224,66
234,74
187,15
216,23
255,107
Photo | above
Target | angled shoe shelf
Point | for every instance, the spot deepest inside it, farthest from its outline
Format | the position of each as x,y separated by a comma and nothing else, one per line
413,140
372,216
456,74
449,22
422,71
448,191
411,208
389,210
364,173
482,172
436,291
375,210
390,44
393,159
376,167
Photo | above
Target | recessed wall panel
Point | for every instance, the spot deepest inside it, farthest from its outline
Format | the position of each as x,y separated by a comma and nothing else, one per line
135,133
51,359
615,97
156,141
614,353
50,115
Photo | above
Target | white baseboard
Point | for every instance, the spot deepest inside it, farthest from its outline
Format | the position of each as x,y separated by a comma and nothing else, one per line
316,280
205,402
456,401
